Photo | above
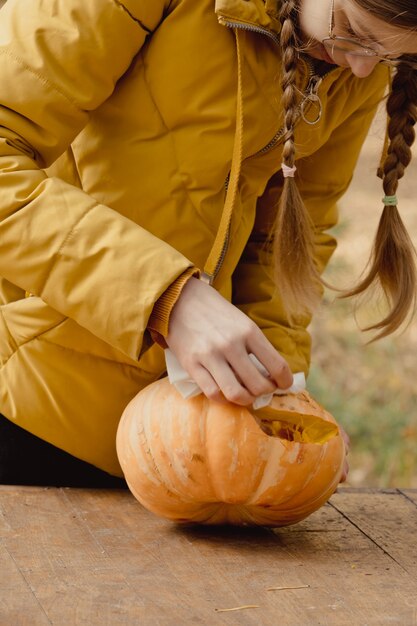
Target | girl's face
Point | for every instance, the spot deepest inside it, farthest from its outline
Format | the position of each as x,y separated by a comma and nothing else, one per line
352,22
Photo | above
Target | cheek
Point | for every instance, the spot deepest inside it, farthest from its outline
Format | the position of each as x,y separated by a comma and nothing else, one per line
408,44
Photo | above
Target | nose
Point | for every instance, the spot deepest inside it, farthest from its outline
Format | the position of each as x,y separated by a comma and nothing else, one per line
361,66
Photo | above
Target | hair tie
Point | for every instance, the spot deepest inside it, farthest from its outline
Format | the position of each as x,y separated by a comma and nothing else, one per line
390,200
288,172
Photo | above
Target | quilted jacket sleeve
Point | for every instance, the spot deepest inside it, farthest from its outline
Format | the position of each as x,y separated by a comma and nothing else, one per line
323,179
59,60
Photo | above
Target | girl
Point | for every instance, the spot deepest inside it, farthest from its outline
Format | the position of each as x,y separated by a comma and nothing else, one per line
169,172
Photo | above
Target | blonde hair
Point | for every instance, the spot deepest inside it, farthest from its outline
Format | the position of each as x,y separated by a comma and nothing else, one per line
392,263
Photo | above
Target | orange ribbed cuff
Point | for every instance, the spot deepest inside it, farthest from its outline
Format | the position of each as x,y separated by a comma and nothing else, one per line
158,322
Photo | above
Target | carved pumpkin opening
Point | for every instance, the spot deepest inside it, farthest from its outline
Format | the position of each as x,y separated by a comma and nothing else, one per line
284,430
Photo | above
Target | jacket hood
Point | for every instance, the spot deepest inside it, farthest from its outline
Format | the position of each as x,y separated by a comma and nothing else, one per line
263,13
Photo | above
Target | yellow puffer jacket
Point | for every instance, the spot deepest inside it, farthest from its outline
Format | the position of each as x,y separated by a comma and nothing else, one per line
118,125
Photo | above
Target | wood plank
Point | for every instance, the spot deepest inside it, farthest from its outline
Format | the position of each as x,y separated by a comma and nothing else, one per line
97,557
410,494
161,562
353,576
18,605
238,566
388,518
72,578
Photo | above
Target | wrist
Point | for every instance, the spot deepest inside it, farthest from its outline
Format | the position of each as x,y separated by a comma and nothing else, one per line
158,323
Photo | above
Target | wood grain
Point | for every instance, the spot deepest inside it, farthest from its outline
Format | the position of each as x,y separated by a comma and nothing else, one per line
389,519
73,556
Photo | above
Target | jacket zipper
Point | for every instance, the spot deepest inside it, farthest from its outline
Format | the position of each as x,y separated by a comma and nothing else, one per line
309,95
275,39
251,27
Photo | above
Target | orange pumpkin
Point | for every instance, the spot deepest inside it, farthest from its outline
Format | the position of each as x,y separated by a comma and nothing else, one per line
200,461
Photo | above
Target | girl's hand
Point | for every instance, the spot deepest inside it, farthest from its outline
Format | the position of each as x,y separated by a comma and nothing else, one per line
212,340
346,440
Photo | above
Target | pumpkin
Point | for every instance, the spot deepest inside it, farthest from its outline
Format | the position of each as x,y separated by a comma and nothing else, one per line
199,461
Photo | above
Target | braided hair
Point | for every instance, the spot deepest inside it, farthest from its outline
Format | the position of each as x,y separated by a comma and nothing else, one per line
293,228
392,264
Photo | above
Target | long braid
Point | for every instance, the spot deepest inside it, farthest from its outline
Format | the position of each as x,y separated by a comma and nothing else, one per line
295,270
392,263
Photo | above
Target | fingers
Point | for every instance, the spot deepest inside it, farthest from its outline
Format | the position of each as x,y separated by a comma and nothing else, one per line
207,384
212,339
346,441
277,367
235,378
219,383
345,438
345,472
248,374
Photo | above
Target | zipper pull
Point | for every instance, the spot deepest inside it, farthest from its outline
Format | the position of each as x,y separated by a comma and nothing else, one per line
311,98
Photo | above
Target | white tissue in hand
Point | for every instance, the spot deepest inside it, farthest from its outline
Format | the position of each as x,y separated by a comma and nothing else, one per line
188,388
299,383
178,377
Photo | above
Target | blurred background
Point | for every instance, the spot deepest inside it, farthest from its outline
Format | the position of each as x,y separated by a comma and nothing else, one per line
370,389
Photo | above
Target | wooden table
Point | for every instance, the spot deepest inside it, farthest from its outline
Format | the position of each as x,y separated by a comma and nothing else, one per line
73,556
